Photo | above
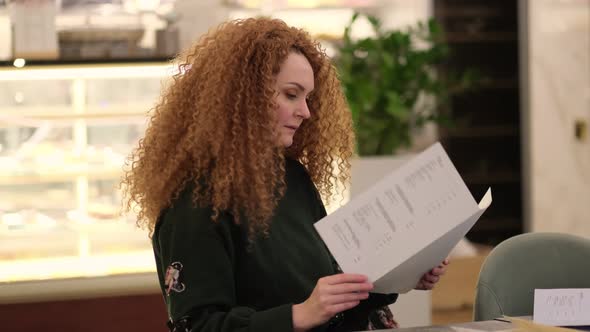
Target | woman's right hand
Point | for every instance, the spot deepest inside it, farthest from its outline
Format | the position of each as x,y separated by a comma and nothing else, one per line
331,295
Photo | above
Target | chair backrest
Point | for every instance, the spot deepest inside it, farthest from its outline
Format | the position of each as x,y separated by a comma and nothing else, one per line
517,266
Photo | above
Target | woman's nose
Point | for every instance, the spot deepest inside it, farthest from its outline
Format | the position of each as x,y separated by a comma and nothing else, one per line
303,110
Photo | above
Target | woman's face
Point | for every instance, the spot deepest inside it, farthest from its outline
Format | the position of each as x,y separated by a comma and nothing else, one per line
294,83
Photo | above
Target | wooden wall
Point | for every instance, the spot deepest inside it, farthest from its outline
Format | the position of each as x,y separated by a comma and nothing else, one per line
145,313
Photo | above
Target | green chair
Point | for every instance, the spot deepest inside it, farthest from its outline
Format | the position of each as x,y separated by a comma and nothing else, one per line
519,265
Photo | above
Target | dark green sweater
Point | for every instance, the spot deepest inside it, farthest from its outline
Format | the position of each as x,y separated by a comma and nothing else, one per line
208,273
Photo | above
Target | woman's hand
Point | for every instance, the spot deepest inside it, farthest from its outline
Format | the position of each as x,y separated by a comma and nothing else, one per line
331,295
432,277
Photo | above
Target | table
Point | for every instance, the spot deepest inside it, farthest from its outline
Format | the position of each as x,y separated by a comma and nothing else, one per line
495,325
488,325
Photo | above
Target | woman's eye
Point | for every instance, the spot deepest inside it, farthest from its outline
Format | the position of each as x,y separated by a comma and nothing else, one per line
291,96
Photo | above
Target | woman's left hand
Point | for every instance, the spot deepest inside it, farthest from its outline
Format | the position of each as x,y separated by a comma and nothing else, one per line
430,278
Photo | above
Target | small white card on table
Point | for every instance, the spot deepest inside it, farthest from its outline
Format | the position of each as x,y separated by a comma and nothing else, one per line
562,307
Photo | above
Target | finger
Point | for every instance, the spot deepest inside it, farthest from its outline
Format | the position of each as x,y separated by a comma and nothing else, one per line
345,278
437,271
348,297
446,261
427,285
349,288
424,287
431,278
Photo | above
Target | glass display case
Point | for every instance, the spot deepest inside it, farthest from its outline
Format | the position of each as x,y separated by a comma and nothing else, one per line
65,133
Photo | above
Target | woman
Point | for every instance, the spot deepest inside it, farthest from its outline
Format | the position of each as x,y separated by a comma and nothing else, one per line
228,179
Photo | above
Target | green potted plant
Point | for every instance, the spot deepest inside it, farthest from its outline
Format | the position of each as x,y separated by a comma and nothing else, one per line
391,83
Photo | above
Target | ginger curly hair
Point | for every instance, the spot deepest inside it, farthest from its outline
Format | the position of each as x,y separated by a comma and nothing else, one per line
214,128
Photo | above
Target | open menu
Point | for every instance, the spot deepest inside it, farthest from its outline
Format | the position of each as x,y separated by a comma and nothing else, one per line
405,224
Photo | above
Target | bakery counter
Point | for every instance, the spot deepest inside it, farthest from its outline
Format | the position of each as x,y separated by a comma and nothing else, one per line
114,303
65,134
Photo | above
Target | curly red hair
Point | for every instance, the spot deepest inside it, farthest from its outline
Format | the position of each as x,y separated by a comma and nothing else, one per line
214,127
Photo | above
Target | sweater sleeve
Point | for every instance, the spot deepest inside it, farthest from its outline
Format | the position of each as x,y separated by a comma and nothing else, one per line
197,275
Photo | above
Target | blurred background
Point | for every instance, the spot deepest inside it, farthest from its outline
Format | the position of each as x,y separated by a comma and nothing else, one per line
511,106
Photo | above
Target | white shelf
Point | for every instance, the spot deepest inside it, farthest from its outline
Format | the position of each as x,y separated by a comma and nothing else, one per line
61,176
63,112
72,72
308,5
75,266
35,116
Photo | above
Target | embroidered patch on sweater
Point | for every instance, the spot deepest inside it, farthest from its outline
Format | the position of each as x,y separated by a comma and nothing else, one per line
173,280
381,318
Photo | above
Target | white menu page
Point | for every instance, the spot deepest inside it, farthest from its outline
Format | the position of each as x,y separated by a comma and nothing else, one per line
405,224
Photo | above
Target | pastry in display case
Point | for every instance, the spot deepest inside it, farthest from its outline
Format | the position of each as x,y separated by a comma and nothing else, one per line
65,133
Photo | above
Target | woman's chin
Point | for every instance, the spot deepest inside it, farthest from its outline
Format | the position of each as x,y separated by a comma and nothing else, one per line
286,141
